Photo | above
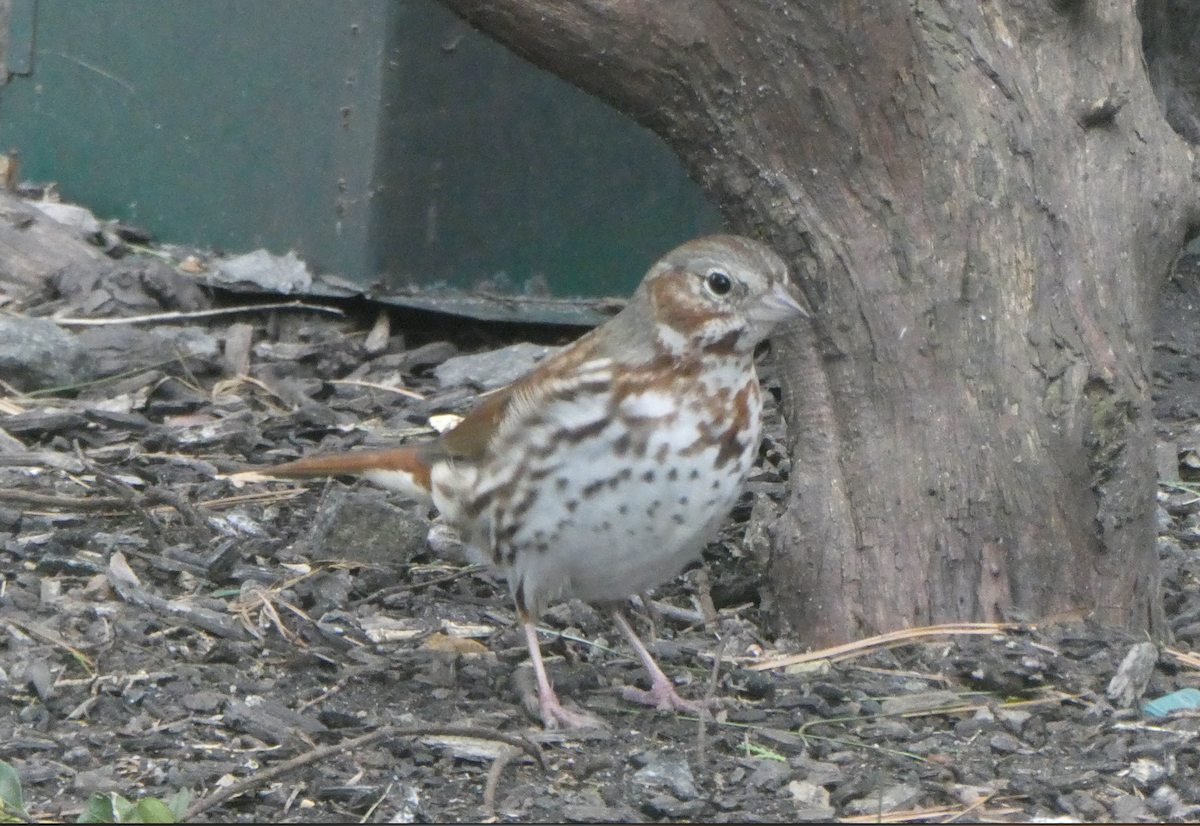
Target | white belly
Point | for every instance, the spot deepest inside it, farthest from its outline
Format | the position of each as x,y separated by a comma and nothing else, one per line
603,527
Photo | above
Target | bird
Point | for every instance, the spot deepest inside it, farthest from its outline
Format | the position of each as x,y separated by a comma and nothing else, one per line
604,471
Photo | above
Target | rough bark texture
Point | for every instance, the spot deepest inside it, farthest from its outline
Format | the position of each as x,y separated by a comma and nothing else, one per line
980,200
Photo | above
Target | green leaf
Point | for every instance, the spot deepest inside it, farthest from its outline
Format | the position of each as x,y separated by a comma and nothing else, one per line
179,802
126,811
98,809
10,787
153,810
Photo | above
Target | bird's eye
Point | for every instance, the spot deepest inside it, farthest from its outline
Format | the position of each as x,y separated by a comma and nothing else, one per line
718,283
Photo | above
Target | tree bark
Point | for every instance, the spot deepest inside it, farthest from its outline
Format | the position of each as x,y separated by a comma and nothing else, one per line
980,200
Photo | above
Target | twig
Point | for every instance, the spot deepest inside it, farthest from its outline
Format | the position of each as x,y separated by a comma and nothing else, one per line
153,532
983,798
162,496
324,695
859,647
128,679
137,371
267,775
704,595
668,611
242,498
392,590
1190,658
245,308
102,503
194,616
366,818
687,616
562,635
52,638
412,394
48,500
493,780
154,495
228,384
916,675
709,693
273,615
987,815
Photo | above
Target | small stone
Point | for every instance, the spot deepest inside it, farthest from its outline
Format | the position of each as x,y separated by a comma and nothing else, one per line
769,775
887,729
493,369
784,742
812,801
1147,773
893,798
76,217
662,805
971,795
364,527
284,274
747,715
1014,719
1163,519
1167,803
668,771
204,702
574,613
922,701
426,355
445,543
1129,809
758,686
38,674
35,353
97,780
829,692
1131,679
968,728
120,348
1086,806
816,771
1004,743
810,703
593,813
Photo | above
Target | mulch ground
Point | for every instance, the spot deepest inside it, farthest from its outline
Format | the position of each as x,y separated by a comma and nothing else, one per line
299,653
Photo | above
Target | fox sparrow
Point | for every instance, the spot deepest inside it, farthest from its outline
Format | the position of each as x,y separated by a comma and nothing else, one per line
603,472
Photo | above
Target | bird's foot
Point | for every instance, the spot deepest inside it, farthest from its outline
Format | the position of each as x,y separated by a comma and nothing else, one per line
555,716
662,695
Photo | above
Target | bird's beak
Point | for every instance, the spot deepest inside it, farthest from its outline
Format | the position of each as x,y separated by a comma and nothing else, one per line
783,302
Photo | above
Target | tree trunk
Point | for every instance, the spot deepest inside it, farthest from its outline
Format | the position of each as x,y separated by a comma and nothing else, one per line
980,200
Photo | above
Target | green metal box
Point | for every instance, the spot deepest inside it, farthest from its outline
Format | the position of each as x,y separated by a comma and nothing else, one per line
384,141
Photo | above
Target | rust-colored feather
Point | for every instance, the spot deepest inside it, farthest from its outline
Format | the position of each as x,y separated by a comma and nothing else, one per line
470,438
406,468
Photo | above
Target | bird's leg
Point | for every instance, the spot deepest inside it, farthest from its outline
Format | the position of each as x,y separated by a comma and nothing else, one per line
662,693
652,613
554,714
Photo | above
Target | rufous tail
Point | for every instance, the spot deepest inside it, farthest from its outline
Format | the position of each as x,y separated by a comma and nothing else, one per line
400,469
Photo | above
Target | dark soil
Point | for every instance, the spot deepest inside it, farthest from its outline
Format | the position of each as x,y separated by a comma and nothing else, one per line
170,624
